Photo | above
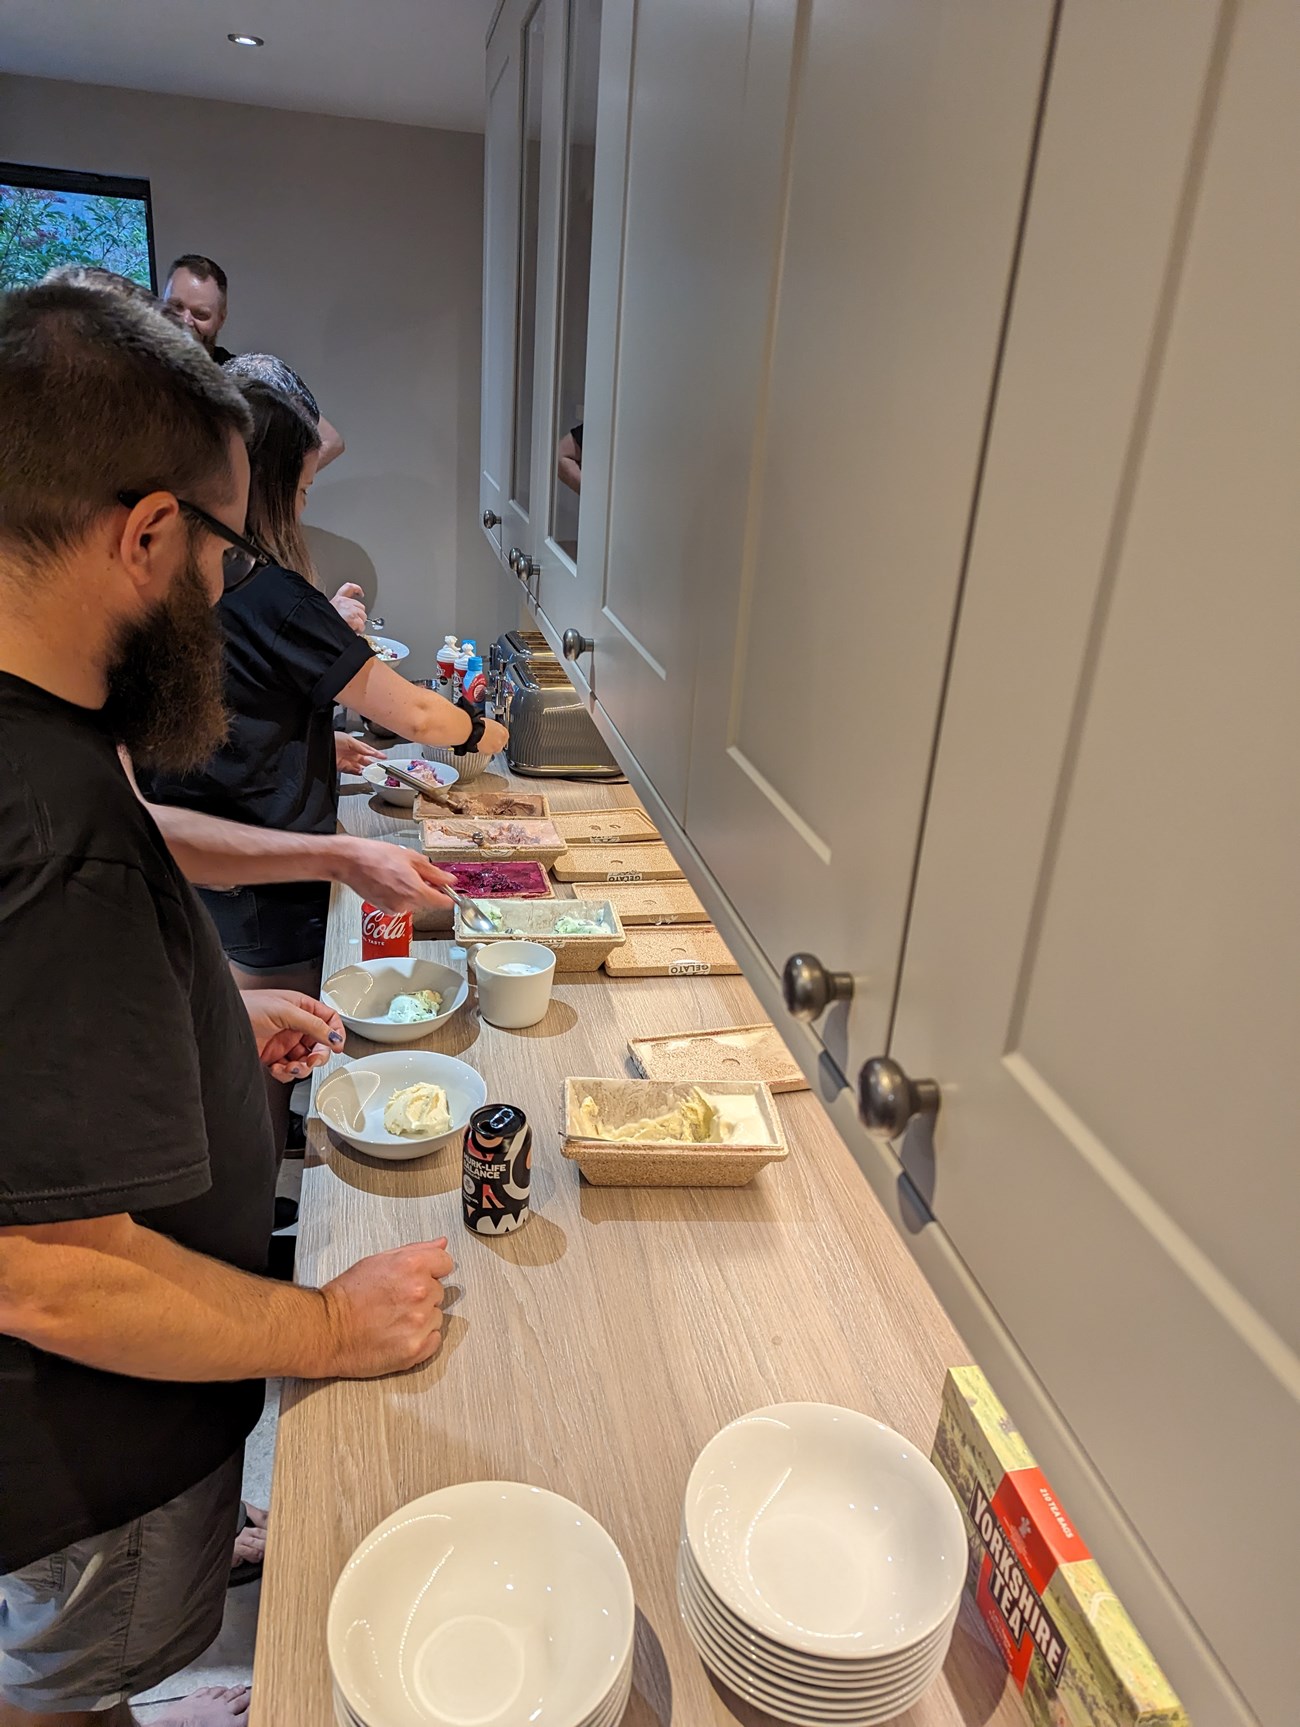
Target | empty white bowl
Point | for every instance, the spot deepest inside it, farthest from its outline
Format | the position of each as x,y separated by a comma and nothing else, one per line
402,796
826,1531
490,1604
361,993
352,1100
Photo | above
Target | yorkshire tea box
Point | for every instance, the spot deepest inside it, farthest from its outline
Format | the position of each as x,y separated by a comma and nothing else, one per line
1072,1650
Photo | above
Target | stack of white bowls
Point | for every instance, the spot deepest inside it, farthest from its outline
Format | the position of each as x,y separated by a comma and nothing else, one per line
821,1565
491,1604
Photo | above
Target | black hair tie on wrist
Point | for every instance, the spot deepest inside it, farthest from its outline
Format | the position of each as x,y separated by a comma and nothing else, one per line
478,722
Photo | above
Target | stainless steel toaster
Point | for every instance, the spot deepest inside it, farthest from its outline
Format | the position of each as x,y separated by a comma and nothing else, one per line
516,645
551,733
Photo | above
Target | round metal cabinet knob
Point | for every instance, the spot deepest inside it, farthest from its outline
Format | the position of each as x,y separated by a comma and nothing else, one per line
808,987
515,560
575,644
490,519
888,1100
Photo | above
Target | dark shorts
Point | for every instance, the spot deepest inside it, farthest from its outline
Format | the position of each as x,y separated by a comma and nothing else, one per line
272,927
114,1615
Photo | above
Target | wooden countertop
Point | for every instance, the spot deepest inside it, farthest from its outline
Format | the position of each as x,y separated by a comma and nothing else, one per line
595,1351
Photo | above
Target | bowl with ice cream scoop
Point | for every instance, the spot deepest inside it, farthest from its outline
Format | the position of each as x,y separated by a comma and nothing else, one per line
395,1000
433,777
404,1103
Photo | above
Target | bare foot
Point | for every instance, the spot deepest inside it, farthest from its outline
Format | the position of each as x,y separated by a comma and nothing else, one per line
214,1706
250,1544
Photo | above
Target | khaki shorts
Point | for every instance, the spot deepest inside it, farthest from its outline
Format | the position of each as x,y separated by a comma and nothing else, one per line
105,1618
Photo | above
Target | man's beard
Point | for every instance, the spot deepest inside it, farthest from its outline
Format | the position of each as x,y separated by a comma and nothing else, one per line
165,684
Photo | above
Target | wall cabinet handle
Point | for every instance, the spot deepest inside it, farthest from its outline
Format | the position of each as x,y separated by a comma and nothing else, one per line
809,989
888,1100
575,644
490,519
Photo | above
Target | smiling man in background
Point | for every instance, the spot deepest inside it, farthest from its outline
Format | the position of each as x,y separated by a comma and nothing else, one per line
197,292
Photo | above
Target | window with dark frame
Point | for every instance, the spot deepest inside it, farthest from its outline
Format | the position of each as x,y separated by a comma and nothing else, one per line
50,217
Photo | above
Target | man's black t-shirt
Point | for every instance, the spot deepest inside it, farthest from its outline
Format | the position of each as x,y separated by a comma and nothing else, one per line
131,1084
288,654
221,355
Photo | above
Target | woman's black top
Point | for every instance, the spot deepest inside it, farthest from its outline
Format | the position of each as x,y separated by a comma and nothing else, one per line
288,654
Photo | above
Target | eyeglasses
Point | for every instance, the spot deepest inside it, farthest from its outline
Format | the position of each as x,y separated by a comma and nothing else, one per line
243,557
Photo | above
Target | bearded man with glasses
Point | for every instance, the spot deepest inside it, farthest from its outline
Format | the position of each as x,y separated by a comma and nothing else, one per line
136,1161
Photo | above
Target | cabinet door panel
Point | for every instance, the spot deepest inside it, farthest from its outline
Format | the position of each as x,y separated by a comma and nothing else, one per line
500,264
563,399
538,41
815,716
709,99
1101,968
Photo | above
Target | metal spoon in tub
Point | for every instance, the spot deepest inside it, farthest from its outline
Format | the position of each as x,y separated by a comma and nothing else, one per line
472,914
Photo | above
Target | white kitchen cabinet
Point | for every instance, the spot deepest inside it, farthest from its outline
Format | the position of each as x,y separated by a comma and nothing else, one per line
525,72
560,392
543,176
1100,972
938,548
823,614
500,274
679,355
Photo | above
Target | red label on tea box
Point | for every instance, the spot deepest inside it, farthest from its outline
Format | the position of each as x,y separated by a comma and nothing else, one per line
1025,1536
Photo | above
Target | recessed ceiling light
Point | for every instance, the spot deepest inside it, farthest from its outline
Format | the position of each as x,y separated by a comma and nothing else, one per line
246,41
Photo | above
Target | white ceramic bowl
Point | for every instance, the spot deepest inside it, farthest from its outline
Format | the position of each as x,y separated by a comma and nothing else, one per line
491,1604
818,1674
508,995
826,1531
401,796
360,994
469,767
798,1704
352,1100
394,652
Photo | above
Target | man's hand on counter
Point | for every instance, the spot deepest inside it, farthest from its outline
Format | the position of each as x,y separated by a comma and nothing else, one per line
111,1293
385,1312
294,1032
390,876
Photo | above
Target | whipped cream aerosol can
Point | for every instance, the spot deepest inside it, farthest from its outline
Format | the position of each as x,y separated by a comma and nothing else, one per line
497,1169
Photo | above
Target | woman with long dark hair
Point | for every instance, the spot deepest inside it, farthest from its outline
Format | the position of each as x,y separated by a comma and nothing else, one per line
289,659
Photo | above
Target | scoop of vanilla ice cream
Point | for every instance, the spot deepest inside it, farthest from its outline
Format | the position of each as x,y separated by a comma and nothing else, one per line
418,1111
409,1009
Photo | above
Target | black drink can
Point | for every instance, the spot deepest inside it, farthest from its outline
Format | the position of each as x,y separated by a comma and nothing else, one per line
497,1169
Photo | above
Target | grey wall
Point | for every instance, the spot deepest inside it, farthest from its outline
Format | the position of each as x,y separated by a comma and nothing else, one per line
354,251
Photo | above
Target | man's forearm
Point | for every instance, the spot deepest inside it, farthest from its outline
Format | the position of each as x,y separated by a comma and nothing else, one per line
217,853
132,1301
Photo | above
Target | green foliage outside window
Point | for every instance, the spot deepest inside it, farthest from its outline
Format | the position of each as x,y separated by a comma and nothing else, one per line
41,230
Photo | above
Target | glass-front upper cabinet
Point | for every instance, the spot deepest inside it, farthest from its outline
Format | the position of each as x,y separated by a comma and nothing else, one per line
500,276
543,91
564,479
525,63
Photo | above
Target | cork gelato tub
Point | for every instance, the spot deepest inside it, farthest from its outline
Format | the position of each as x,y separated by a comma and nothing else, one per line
755,1138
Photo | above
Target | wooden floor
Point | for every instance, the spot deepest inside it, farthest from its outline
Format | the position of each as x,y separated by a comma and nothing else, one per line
595,1351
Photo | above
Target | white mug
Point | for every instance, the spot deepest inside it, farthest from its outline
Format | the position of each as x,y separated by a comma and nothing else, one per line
509,995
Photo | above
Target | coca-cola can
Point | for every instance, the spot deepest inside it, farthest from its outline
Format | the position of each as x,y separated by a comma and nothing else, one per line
384,934
496,1171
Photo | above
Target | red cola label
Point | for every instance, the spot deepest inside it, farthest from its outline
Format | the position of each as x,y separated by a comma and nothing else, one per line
496,1169
384,934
